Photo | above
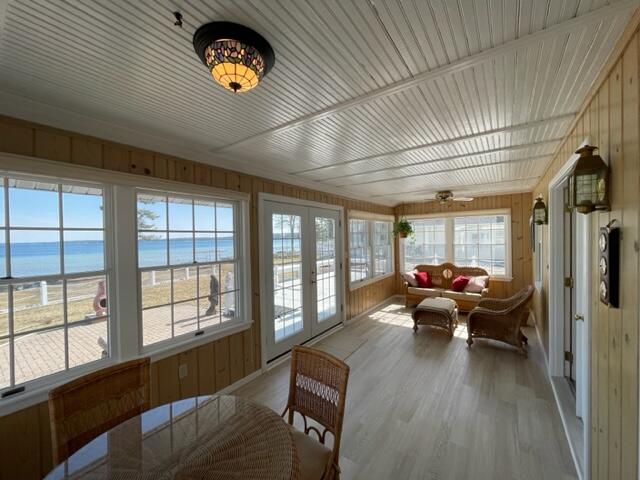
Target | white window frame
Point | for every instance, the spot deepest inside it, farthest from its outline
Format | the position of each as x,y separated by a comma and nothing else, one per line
371,218
237,261
107,271
450,236
121,251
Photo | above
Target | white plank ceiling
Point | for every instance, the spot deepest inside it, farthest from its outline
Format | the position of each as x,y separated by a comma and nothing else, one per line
387,100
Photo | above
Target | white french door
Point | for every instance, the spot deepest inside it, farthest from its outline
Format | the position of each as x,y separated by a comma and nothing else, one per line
302,274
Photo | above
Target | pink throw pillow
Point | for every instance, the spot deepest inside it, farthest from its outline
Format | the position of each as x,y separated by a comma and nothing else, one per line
459,283
410,278
477,284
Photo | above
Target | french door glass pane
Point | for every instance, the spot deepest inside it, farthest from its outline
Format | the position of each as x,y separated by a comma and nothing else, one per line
287,275
325,267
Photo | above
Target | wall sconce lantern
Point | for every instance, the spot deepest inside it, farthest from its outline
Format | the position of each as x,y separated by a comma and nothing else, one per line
540,216
589,182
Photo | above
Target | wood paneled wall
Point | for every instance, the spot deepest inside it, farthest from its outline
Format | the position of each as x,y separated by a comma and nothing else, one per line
610,120
211,367
520,205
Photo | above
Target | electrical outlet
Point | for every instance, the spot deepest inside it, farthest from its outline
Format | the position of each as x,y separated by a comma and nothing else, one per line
183,371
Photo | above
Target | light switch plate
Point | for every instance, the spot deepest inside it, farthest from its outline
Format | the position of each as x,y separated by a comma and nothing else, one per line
183,371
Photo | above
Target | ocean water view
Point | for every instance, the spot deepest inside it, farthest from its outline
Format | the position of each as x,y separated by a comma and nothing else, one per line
43,258
30,259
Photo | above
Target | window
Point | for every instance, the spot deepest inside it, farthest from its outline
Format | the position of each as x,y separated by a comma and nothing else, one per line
481,240
82,286
370,249
359,249
428,243
187,261
54,290
382,250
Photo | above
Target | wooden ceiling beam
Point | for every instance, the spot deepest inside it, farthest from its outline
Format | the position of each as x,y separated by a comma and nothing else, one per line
457,188
447,170
452,141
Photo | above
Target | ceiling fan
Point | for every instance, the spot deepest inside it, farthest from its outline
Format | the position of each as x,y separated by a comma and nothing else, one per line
445,197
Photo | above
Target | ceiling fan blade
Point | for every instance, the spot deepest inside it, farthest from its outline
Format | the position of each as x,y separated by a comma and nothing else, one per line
463,199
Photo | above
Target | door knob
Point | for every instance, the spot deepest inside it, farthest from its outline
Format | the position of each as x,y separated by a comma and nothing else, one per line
578,317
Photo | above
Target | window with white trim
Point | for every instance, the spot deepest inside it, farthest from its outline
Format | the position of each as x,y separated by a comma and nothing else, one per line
187,263
370,249
382,248
481,240
427,246
54,290
71,291
359,250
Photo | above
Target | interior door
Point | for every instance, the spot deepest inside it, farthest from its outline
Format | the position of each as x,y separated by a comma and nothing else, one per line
325,275
303,274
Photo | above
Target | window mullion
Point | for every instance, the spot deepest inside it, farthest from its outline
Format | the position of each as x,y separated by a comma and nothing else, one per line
449,239
7,243
126,288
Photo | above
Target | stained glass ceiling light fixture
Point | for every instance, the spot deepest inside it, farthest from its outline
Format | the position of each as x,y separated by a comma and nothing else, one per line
237,57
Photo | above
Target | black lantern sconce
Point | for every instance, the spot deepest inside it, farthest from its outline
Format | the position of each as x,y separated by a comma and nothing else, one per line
589,182
540,214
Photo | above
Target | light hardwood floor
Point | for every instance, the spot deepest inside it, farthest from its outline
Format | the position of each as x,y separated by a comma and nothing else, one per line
421,406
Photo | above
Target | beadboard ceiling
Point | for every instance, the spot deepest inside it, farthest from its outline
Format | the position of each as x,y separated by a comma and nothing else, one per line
385,100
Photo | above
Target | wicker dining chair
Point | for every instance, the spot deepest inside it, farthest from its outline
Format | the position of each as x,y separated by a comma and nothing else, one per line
501,319
86,407
317,390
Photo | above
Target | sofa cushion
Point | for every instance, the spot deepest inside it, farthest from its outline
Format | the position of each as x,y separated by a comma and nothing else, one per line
426,292
477,284
472,297
410,278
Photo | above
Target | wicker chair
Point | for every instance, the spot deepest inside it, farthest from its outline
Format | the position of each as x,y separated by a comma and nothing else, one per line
89,406
318,390
501,319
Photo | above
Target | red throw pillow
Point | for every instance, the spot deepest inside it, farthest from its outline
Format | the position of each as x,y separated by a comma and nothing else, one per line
459,283
424,280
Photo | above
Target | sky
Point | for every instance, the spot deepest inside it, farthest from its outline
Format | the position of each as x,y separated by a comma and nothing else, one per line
30,208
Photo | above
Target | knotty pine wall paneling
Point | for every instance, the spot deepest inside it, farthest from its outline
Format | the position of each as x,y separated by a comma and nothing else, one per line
610,119
210,367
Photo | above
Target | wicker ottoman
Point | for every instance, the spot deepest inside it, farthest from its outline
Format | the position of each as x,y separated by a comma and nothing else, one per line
437,312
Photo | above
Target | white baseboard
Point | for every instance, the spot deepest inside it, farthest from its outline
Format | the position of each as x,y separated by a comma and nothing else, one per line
313,341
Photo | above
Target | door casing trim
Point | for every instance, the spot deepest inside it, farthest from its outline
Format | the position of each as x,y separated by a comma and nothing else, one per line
270,197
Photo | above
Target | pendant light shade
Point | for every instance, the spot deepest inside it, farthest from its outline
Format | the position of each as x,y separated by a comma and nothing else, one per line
237,57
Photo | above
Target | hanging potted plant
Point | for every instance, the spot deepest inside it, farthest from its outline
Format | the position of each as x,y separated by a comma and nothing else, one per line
403,228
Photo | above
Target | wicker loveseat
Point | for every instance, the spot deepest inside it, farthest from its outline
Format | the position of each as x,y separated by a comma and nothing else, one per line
442,276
